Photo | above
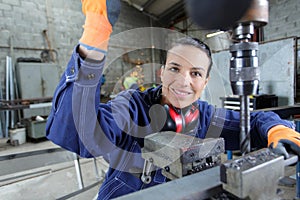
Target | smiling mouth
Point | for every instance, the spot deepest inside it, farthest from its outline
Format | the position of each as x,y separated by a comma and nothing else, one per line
181,93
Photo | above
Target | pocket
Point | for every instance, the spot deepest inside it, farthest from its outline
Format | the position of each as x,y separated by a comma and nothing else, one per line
131,167
114,188
58,96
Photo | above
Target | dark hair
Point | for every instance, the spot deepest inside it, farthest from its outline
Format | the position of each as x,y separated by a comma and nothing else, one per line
196,43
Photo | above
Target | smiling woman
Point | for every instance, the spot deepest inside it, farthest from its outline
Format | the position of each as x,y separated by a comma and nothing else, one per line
117,129
186,72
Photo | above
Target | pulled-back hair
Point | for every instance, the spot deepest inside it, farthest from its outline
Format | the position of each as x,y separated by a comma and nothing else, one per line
196,43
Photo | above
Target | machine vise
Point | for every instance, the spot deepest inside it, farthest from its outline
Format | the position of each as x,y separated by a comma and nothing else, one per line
179,155
198,171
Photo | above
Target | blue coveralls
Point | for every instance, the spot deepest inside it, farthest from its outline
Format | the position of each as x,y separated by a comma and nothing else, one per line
115,130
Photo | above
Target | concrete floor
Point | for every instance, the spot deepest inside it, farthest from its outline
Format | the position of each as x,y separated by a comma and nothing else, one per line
53,175
44,180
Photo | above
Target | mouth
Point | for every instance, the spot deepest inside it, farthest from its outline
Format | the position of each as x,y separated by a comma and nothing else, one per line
181,93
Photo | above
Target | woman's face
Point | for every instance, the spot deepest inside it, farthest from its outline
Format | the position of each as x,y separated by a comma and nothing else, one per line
184,76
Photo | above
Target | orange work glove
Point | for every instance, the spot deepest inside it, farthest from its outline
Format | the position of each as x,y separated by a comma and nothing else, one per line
282,139
101,15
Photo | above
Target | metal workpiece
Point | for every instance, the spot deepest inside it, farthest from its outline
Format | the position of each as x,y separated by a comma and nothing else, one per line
179,155
254,176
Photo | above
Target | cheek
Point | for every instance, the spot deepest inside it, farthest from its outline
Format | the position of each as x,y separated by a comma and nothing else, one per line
166,79
199,87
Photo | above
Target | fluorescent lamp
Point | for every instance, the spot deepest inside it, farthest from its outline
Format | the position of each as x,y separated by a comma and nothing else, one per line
214,34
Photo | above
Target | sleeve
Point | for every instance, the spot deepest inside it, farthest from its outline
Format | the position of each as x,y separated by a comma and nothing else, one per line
73,117
260,123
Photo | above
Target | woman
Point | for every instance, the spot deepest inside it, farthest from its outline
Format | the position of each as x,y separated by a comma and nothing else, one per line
115,130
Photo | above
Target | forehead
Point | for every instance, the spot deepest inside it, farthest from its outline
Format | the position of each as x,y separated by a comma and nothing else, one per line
188,55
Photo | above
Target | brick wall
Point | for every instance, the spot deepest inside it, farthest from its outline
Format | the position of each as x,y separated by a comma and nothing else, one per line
23,22
284,19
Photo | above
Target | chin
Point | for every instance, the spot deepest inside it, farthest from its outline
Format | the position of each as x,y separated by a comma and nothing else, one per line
178,103
181,104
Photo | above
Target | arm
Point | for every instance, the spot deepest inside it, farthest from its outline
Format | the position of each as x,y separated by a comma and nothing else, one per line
260,123
280,134
73,115
101,15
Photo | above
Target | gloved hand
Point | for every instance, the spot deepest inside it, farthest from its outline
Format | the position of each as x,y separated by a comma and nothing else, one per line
101,15
281,139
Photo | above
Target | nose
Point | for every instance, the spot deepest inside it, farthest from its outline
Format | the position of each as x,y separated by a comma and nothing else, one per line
185,78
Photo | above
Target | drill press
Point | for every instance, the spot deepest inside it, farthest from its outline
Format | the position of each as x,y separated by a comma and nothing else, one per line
244,66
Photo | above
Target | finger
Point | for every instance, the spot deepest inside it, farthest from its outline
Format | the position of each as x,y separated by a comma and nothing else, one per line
280,150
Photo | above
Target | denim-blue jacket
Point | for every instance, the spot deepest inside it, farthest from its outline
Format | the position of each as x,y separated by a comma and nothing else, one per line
115,130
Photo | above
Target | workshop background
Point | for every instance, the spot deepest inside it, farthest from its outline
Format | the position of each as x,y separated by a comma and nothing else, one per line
48,30
40,35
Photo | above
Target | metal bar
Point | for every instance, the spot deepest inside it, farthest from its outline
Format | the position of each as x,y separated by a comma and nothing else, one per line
11,93
78,171
15,107
202,185
15,84
19,104
2,116
40,105
26,154
30,106
7,96
32,100
27,48
96,168
73,194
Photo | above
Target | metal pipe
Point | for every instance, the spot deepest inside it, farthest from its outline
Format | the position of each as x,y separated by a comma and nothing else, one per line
11,93
78,171
96,168
27,48
7,96
40,105
15,84
2,117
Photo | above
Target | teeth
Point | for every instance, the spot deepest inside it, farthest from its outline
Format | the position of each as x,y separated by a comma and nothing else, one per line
181,93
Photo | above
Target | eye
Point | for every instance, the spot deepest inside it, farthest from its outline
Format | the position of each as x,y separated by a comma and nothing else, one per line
174,69
197,74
